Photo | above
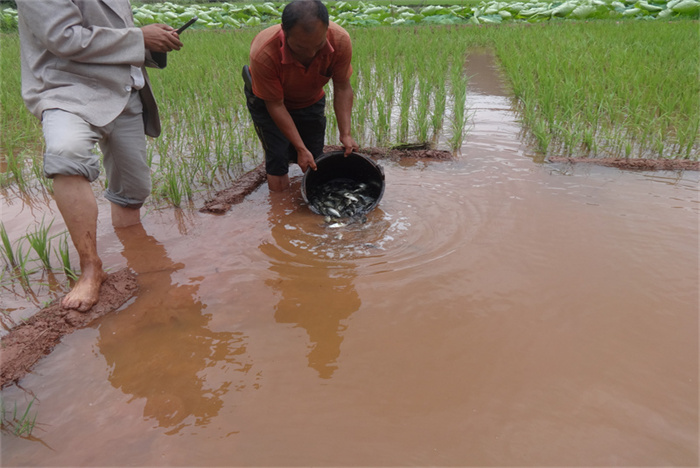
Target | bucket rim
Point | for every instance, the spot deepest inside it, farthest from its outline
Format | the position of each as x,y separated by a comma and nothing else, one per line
353,153
379,169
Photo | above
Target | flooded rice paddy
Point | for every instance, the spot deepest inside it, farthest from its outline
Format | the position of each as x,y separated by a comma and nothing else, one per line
492,311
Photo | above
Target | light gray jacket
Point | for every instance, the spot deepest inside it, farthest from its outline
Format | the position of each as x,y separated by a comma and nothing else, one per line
77,56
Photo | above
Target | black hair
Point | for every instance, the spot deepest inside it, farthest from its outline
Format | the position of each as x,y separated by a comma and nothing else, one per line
303,12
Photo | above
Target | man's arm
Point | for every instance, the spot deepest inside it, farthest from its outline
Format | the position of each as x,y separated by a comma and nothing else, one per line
280,115
58,26
342,105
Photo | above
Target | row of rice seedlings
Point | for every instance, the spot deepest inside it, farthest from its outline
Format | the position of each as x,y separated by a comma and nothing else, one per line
577,82
573,82
403,89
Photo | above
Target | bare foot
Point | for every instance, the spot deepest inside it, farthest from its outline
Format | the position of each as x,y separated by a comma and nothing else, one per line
86,291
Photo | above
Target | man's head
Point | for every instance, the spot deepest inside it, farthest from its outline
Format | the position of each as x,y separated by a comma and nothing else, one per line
305,23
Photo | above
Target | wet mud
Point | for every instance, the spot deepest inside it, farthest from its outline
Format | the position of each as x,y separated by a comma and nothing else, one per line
28,342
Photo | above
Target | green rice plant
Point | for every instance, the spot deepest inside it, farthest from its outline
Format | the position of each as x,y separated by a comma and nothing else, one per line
421,119
459,114
24,425
406,97
172,189
541,132
589,140
7,251
15,170
40,241
22,269
20,424
359,118
439,103
63,254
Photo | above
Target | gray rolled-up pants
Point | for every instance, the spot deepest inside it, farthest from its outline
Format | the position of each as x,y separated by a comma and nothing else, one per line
70,143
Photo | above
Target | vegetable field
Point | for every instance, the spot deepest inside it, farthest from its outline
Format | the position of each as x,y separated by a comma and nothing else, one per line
237,15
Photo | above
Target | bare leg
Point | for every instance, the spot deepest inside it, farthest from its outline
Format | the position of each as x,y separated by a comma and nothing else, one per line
278,183
125,217
78,206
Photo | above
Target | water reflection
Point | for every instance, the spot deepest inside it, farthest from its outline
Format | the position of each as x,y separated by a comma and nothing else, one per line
315,294
161,349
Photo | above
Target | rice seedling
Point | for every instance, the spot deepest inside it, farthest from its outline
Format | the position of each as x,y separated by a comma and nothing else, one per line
63,254
21,424
421,119
459,117
15,170
40,241
406,97
7,251
22,269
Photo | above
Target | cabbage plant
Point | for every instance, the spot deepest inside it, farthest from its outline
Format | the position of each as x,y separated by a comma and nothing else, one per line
237,15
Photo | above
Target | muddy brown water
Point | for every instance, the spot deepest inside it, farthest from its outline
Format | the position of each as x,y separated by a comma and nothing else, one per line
493,311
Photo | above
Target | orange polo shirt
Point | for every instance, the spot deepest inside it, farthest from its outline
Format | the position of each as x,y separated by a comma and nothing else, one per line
277,75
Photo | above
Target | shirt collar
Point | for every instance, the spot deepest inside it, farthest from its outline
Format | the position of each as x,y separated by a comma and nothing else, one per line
287,55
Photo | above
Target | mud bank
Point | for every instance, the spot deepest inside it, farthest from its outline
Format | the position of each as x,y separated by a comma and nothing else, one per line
635,164
25,344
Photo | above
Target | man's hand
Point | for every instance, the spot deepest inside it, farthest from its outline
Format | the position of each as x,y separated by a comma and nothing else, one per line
305,159
349,143
160,38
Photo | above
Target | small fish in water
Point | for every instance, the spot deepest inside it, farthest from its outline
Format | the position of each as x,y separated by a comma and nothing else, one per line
344,198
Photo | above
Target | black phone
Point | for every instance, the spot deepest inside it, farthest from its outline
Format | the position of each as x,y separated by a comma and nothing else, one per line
186,25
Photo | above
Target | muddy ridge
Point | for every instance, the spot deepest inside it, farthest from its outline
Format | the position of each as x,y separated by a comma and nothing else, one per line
634,164
29,341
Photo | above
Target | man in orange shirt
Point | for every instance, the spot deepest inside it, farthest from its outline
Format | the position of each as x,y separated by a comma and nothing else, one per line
289,65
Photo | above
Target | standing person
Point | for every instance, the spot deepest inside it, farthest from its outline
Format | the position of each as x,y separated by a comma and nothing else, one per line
83,75
289,65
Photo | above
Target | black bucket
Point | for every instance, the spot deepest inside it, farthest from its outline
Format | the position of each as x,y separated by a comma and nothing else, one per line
354,167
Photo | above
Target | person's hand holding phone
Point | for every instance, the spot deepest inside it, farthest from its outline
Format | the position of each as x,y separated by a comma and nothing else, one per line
160,38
